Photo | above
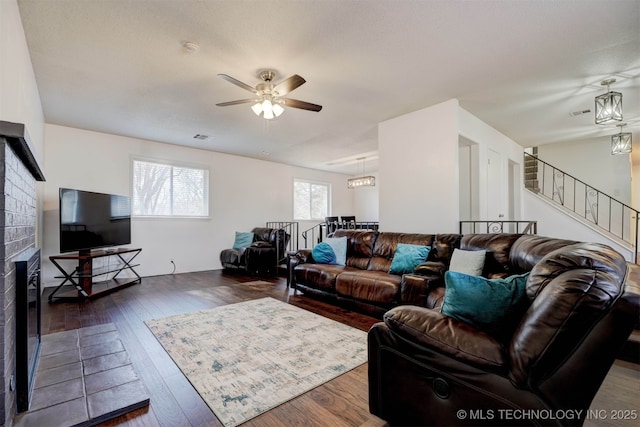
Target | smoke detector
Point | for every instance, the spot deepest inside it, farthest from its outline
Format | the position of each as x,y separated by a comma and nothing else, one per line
191,47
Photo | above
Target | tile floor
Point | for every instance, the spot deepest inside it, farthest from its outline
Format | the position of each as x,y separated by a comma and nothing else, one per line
84,377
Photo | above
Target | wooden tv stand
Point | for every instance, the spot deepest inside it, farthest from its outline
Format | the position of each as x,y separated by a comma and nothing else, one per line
81,275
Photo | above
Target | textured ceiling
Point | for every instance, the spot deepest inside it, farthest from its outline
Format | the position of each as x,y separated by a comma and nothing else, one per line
118,66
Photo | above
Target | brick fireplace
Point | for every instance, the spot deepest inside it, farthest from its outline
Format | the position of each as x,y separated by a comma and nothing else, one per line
20,171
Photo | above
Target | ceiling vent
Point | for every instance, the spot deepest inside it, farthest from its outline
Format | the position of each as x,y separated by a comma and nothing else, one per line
579,113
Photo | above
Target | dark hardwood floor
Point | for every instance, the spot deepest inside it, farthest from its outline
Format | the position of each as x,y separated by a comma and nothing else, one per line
340,402
174,402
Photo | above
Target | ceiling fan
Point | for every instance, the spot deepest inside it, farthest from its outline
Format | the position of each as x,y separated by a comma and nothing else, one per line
268,100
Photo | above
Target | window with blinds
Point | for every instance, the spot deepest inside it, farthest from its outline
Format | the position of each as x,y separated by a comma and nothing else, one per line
169,190
310,200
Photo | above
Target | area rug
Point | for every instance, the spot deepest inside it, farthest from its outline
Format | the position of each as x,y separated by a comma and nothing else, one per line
247,358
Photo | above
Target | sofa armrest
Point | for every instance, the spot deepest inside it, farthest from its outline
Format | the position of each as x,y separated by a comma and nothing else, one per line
431,268
415,289
303,256
432,329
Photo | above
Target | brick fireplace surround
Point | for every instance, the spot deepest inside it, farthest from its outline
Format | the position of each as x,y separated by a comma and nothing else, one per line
19,171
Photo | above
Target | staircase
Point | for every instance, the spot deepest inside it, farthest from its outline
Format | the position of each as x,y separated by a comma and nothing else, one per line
531,171
612,218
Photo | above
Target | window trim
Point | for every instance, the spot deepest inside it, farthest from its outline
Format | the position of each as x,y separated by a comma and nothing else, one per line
172,163
310,181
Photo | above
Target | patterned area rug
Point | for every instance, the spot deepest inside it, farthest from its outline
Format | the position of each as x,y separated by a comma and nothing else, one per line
249,357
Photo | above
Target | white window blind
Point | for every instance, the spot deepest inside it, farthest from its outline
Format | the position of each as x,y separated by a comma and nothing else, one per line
310,200
169,190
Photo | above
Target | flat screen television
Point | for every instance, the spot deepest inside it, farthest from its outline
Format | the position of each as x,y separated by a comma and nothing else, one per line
91,220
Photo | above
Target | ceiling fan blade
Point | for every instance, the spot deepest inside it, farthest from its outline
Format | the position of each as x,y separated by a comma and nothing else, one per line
300,104
286,86
239,101
238,83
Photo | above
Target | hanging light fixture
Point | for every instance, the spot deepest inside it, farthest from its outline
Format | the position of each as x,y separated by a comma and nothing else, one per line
621,143
608,105
362,181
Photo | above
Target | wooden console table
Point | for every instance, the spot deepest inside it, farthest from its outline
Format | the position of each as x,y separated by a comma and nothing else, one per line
81,275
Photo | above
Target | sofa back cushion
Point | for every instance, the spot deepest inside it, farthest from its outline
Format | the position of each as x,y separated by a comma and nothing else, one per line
497,246
529,249
359,246
443,246
570,289
385,247
263,234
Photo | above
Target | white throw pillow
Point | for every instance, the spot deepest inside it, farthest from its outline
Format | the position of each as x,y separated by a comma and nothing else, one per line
467,262
339,246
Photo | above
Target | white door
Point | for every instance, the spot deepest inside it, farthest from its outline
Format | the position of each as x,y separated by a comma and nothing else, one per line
464,170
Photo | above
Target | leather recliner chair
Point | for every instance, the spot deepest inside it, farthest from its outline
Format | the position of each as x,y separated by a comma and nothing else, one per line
429,369
262,256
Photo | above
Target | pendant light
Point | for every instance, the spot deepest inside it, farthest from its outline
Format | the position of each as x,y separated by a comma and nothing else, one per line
608,105
621,142
362,181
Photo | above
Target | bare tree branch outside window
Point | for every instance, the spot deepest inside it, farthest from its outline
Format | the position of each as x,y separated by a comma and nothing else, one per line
168,190
310,200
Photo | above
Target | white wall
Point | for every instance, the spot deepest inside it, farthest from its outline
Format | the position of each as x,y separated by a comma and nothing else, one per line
19,96
20,100
635,186
244,193
591,162
419,170
553,222
420,176
509,152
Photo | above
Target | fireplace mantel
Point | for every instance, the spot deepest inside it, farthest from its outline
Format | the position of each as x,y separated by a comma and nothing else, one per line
18,139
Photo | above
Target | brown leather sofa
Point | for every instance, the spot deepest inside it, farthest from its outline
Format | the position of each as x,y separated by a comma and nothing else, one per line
364,282
429,369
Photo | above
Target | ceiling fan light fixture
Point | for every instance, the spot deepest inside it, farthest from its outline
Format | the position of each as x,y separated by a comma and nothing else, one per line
257,108
277,109
608,105
268,98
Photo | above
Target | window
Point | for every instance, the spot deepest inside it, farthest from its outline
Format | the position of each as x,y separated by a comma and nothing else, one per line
310,200
169,190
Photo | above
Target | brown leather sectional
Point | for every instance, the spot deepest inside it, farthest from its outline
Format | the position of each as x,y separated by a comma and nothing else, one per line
364,282
429,369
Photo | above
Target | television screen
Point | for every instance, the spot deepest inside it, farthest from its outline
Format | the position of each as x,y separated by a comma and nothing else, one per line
93,220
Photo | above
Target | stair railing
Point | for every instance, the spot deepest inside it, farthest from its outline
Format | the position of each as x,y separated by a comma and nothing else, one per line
607,213
499,226
313,235
291,228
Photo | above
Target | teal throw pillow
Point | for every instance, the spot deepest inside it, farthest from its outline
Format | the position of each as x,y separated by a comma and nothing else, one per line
492,305
243,239
339,246
407,257
323,253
